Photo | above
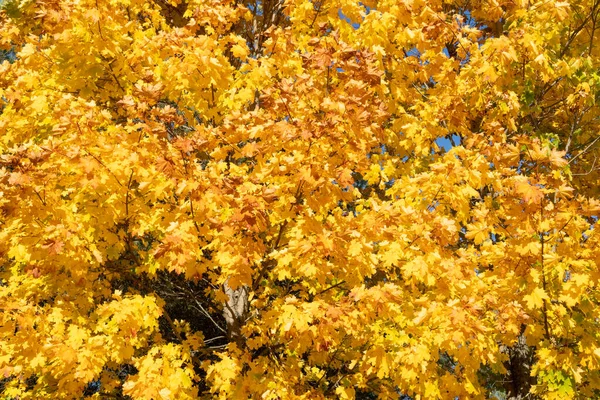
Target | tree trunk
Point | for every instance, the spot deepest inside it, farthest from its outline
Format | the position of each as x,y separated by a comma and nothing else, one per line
521,358
235,310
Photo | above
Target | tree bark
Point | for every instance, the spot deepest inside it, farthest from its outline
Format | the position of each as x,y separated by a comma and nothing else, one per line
521,358
235,310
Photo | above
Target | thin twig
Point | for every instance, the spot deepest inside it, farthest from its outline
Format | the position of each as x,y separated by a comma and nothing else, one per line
101,163
215,338
330,287
208,316
584,150
544,304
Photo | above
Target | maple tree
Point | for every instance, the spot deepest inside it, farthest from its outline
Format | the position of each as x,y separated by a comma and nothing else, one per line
253,199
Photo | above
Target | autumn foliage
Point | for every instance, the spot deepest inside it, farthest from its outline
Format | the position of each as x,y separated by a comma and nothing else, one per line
295,199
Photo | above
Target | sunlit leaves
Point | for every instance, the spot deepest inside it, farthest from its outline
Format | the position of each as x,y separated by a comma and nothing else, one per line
392,196
164,372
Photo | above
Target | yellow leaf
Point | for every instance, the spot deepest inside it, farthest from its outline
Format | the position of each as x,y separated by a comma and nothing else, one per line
536,298
39,104
239,51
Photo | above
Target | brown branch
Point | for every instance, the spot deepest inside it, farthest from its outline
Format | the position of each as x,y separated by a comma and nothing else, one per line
98,22
40,197
584,150
330,287
592,169
127,195
115,76
318,11
544,305
591,45
101,163
203,310
577,30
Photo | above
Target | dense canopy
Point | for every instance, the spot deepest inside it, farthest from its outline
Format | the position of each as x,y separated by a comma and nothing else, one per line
295,199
